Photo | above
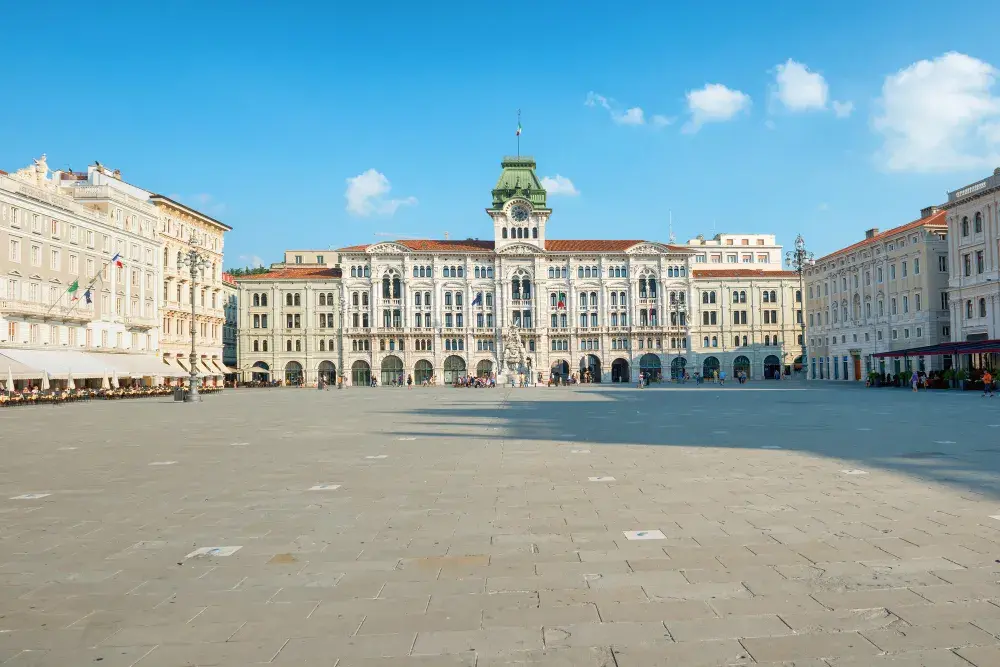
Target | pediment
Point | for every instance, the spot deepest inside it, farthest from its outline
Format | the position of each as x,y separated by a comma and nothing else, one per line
649,249
387,249
519,249
15,272
35,276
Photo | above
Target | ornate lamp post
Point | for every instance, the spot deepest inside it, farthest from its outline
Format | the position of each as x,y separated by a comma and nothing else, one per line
195,261
679,322
797,260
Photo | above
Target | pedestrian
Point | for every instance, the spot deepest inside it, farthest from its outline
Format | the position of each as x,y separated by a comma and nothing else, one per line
987,384
641,378
914,379
722,378
409,381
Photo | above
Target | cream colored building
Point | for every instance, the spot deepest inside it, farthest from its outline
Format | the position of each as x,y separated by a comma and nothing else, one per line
887,292
973,218
179,226
60,229
609,309
289,321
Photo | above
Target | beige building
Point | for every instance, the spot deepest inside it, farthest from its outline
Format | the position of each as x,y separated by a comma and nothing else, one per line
80,275
289,321
973,218
604,309
181,225
887,292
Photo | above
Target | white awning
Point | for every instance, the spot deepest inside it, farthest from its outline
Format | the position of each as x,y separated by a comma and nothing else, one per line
209,371
136,365
17,370
60,363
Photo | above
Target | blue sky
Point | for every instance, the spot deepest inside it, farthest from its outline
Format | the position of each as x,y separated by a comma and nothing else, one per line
259,114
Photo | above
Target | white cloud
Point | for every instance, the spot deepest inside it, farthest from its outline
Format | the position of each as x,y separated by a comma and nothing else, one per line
799,89
366,195
629,116
633,116
714,103
842,109
559,185
939,115
202,202
253,261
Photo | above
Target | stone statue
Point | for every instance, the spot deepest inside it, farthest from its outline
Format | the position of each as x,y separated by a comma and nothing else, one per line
513,352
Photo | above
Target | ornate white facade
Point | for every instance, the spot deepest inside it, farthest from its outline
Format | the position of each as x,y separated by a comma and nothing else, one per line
973,216
610,308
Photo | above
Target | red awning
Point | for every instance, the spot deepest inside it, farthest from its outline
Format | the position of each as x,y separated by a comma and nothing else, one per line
961,347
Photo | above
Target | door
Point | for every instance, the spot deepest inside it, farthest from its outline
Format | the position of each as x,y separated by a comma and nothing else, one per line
857,368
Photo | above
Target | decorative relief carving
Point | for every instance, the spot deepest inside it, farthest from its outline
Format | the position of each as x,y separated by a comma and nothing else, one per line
387,249
646,249
519,249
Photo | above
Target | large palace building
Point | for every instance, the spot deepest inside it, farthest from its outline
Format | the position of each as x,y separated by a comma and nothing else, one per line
603,309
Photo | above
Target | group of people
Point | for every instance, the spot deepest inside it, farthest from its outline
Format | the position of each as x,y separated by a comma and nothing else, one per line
489,382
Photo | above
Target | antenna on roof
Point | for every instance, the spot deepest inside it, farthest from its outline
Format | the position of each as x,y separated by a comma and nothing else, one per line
446,236
670,226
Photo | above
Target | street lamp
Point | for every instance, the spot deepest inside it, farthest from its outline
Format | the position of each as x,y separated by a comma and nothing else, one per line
195,261
678,322
797,260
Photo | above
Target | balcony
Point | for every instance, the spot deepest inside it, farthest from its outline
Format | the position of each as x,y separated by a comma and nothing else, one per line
58,313
392,302
141,323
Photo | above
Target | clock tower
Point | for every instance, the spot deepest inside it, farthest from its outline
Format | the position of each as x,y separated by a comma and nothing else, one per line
519,211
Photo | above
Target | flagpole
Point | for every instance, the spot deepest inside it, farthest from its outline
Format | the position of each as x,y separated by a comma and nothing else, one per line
518,133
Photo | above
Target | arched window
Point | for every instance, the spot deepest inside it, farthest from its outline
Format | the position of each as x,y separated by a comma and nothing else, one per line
288,299
736,341
982,305
298,300
461,272
288,345
586,272
256,346
579,272
767,340
965,226
489,271
263,300
704,297
711,297
416,272
477,272
614,298
534,232
743,296
652,288
447,298
744,341
264,346
774,296
705,342
553,299
715,341
503,233
526,288
322,345
736,296
329,298
458,299
256,299
978,224
767,297
595,273
322,299
621,301
354,272
367,273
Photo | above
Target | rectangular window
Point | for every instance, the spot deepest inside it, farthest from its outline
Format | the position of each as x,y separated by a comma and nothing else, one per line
55,228
944,301
904,269
74,265
36,255
943,263
967,264
892,272
731,259
15,250
980,262
916,266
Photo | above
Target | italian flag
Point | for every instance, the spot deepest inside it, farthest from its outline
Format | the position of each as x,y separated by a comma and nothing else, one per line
73,288
518,128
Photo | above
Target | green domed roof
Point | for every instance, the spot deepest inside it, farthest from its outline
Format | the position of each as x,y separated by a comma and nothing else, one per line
518,179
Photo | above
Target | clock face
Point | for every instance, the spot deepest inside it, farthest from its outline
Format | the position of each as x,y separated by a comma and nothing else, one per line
519,213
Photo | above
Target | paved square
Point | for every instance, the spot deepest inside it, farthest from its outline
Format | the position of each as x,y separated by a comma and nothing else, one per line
439,527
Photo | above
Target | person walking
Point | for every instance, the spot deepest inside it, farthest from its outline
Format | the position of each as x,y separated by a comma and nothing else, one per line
988,384
409,382
914,380
722,379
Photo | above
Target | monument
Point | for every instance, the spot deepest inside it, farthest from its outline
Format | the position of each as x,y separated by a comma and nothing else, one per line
514,355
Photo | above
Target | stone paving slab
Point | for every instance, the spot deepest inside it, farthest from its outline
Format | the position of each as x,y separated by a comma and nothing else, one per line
480,541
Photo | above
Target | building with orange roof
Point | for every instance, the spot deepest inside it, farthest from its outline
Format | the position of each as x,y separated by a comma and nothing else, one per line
888,291
436,310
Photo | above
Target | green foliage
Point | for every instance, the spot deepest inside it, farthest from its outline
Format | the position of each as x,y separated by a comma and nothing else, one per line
948,374
247,271
962,374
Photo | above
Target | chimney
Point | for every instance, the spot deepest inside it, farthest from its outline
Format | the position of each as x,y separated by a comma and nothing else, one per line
928,211
871,233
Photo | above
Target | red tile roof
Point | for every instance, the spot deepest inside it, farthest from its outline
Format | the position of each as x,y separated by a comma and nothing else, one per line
228,278
304,273
2,172
742,273
560,245
936,219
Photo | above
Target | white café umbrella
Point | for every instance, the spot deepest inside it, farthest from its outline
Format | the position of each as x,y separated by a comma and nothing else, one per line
10,380
104,380
45,381
114,379
69,382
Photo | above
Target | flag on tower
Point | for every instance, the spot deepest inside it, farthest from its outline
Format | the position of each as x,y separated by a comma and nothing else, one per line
518,128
